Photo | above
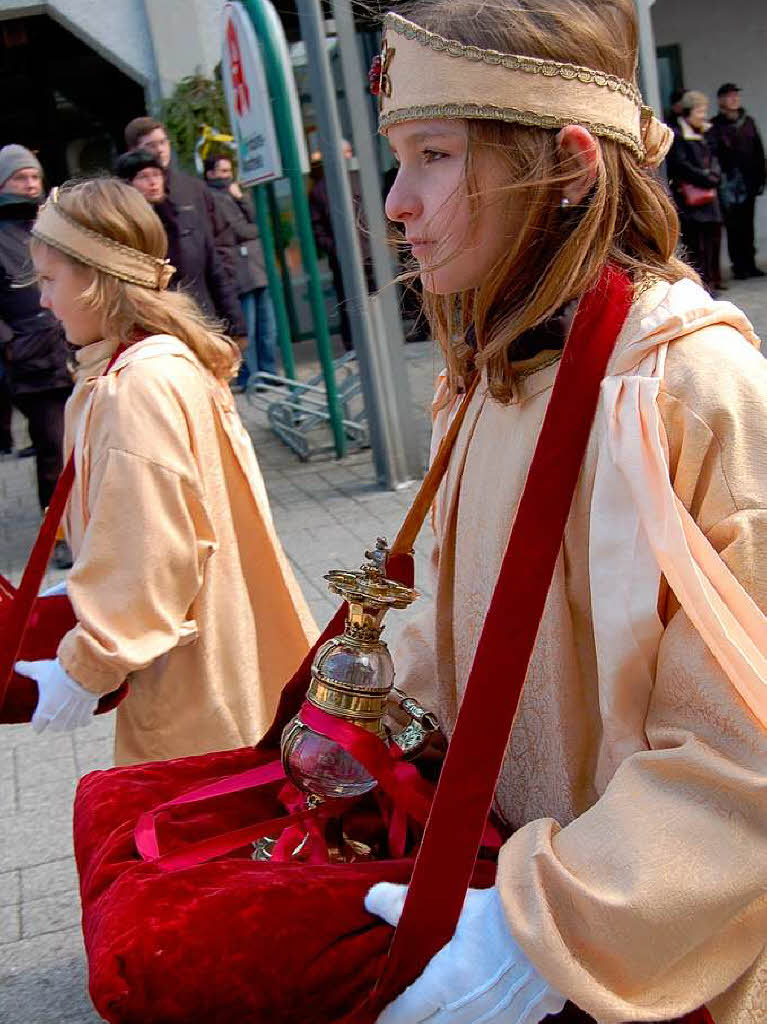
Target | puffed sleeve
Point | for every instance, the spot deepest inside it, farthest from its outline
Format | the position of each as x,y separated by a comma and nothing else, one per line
654,901
147,539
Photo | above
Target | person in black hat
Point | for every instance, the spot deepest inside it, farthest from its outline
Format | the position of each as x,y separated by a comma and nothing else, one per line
191,248
735,139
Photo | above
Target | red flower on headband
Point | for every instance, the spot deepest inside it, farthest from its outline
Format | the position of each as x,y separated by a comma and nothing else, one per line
378,76
374,75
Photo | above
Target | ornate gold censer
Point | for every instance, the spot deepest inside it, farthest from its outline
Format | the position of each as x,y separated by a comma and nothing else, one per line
352,678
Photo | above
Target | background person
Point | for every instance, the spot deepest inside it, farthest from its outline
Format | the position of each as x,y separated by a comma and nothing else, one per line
692,167
34,347
199,269
735,139
247,255
190,207
179,581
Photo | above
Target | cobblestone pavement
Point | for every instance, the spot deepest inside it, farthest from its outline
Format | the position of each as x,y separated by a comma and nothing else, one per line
326,512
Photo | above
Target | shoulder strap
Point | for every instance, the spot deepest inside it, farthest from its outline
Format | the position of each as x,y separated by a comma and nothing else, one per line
399,566
446,858
34,571
427,492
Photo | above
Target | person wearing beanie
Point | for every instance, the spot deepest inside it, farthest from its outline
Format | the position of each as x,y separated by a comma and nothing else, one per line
143,170
22,165
34,350
191,249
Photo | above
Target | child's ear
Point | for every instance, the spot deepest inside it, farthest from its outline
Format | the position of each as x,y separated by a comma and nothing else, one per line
579,147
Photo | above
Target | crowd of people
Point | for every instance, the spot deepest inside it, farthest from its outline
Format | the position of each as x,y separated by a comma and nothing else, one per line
716,171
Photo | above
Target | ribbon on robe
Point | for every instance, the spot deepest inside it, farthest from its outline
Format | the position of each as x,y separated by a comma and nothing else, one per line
639,523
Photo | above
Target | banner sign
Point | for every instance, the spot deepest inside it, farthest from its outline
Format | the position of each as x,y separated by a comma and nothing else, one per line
247,97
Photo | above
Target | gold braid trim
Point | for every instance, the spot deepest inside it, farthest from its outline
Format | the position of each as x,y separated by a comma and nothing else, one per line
61,231
77,255
532,65
493,113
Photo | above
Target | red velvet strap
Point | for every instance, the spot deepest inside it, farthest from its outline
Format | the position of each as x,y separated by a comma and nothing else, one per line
467,783
399,779
410,794
24,598
145,832
147,841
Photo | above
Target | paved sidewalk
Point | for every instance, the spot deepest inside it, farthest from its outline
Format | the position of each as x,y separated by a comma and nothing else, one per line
326,512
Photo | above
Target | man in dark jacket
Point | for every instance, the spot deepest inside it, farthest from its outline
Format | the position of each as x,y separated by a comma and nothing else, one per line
35,352
246,253
195,229
735,139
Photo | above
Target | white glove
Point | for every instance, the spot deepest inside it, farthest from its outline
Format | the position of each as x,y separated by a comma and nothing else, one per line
480,976
56,589
62,703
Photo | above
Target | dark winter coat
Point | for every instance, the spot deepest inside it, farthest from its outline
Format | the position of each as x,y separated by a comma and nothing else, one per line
34,346
319,209
739,149
188,215
691,160
189,194
244,246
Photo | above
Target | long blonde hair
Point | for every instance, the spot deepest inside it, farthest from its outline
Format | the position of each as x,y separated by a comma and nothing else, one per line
118,211
627,218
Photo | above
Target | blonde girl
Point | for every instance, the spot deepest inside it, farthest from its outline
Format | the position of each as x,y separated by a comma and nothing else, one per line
633,884
179,584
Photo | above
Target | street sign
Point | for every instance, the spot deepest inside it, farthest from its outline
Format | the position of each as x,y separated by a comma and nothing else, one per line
247,97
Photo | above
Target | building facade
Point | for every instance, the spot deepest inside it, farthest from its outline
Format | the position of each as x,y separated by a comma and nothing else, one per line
73,72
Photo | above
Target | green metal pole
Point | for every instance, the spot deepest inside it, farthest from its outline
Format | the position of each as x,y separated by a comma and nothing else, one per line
275,284
283,121
287,284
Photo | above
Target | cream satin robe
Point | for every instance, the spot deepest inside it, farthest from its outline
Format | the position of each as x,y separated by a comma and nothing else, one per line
180,583
636,879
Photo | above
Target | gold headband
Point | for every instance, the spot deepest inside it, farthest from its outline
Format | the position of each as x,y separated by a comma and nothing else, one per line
56,228
424,75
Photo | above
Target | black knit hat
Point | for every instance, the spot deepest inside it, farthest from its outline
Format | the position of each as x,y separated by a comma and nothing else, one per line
727,87
130,164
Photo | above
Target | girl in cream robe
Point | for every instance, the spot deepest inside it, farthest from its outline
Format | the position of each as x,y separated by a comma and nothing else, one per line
634,777
179,586
633,886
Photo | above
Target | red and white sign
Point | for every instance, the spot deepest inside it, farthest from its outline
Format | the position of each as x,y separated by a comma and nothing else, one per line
247,97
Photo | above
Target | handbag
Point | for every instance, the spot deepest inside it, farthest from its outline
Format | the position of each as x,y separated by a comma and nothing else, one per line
182,924
32,627
694,196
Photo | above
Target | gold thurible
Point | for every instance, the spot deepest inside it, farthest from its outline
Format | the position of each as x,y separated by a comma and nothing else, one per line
352,678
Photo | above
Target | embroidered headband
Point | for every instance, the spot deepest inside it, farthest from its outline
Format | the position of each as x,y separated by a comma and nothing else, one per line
420,75
56,228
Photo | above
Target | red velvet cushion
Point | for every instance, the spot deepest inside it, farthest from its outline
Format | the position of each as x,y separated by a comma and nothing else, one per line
232,941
